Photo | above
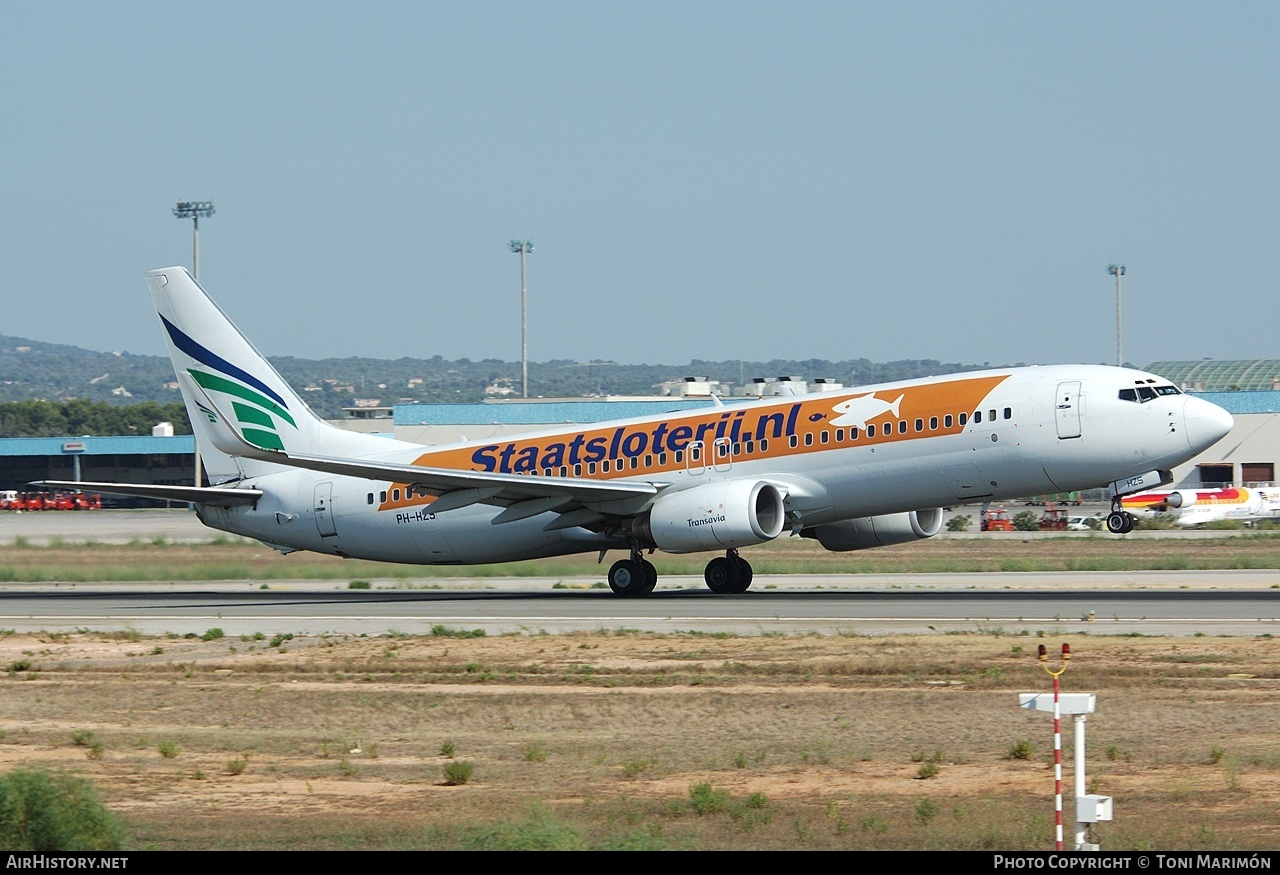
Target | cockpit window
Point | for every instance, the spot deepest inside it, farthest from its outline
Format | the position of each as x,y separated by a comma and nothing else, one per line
1143,394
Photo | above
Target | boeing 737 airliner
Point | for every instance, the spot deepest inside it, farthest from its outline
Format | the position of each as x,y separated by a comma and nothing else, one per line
853,469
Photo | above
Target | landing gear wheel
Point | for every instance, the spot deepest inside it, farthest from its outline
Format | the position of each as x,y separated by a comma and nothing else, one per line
724,575
650,576
1119,522
627,578
744,575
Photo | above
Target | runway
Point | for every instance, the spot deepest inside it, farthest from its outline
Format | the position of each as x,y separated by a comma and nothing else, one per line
1147,603
1232,602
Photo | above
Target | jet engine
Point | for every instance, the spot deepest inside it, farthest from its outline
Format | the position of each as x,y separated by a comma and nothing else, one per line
1180,499
721,515
877,531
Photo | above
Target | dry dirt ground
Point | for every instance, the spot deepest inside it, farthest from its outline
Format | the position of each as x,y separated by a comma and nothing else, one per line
649,741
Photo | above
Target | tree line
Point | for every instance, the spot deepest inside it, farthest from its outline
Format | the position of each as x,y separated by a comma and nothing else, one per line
82,416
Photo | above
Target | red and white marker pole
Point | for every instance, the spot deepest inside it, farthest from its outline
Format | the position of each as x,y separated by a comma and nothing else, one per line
1057,738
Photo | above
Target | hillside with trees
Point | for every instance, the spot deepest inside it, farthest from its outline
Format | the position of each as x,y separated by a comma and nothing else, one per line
32,370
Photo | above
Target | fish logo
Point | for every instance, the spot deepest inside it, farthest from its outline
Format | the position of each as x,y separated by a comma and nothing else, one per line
861,410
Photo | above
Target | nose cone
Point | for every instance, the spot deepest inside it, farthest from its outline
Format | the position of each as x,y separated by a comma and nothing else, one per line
1206,423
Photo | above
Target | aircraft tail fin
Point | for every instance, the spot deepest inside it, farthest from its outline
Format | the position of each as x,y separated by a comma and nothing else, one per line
240,408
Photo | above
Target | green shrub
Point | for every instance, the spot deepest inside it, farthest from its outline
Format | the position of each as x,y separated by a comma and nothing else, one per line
541,832
959,523
458,772
358,584
168,749
51,811
448,749
707,800
1021,750
211,634
236,766
1026,521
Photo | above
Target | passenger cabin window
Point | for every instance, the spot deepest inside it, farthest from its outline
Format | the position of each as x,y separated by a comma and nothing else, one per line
902,426
1008,413
946,421
977,417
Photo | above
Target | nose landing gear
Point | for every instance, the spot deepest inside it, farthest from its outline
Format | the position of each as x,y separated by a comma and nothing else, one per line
1119,522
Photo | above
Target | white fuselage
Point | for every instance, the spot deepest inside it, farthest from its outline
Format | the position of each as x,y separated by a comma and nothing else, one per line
938,442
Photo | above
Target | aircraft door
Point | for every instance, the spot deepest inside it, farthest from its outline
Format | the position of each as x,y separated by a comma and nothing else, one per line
1068,410
324,509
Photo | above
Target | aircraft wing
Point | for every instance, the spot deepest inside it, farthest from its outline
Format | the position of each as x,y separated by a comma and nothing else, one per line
221,496
484,486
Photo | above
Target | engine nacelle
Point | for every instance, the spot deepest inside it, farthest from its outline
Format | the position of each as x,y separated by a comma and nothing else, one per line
877,531
1180,499
721,515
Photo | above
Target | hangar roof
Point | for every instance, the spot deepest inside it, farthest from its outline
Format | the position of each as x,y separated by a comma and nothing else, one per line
1219,376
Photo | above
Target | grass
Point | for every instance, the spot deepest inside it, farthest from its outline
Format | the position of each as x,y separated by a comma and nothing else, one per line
789,742
238,560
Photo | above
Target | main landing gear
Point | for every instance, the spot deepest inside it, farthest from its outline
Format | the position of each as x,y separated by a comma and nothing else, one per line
1119,522
729,574
636,576
633,577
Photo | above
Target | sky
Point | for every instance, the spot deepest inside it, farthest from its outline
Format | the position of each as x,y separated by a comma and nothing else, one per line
710,180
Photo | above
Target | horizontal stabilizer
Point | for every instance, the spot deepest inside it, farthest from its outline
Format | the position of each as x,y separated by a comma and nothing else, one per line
219,496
